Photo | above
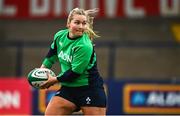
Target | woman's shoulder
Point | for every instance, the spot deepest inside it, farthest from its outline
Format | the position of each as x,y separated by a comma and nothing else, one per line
60,32
85,43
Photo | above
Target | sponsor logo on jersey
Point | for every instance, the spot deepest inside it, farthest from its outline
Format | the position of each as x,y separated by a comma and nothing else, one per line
65,56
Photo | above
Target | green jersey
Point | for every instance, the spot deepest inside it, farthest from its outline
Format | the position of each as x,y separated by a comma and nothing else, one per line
75,54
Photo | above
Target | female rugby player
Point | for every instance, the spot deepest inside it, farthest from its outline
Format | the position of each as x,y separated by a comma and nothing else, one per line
81,84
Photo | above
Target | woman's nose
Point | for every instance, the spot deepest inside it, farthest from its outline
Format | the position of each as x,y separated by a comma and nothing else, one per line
80,25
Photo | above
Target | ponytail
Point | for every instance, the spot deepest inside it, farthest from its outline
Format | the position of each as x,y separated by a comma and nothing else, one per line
90,17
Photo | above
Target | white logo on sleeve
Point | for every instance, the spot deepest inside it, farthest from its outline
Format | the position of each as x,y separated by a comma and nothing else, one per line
60,43
88,100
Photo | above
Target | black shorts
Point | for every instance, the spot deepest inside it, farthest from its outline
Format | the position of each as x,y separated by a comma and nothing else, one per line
83,96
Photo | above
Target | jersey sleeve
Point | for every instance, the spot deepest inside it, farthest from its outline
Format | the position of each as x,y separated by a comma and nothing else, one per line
81,58
51,57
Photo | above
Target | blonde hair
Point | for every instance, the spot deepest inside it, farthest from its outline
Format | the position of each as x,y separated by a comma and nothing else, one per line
90,14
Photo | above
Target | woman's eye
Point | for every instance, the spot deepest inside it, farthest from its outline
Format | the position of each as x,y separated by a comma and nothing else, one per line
76,22
84,23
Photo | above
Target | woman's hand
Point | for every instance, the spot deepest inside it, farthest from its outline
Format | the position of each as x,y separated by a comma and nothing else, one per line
50,82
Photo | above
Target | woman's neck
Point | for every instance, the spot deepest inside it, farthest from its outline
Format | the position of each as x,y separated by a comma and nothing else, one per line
72,37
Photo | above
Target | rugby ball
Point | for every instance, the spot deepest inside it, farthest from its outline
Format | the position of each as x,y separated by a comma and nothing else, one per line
38,76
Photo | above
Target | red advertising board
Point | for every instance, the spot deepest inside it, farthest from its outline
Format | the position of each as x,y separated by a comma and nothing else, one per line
50,9
15,96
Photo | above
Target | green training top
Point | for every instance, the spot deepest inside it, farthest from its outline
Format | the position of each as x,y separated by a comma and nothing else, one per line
74,54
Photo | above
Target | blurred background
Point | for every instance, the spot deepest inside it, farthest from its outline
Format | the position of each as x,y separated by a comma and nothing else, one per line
138,52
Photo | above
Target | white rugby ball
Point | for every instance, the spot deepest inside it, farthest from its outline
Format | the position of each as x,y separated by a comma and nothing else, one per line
38,76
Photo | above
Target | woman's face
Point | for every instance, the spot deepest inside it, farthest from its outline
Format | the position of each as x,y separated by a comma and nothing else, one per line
77,25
